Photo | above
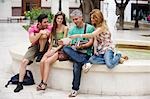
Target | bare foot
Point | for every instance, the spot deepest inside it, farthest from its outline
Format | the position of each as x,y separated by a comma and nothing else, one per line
125,57
121,60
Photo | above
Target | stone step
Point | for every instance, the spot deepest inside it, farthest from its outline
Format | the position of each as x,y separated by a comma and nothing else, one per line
130,25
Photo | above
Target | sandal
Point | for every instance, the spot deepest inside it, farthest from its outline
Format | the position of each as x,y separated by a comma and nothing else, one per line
125,57
41,86
121,60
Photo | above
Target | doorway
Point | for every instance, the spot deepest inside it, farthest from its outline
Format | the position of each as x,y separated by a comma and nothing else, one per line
28,5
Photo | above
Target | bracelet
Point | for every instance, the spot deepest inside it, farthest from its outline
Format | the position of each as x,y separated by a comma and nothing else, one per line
81,35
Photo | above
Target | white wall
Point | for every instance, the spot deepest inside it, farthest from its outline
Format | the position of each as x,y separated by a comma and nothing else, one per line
110,16
16,3
65,7
54,4
5,9
72,3
127,13
55,7
110,11
46,3
108,8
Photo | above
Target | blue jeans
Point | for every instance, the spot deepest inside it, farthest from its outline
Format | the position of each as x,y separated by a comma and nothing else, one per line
107,58
79,59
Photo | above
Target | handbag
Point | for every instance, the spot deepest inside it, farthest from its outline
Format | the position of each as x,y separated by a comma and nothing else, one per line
62,56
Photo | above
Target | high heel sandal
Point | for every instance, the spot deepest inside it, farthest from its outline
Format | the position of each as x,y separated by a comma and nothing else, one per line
41,86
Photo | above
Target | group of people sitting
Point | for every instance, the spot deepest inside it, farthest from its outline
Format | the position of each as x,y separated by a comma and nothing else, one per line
96,49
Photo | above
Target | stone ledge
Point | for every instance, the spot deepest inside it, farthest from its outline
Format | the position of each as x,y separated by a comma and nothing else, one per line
133,42
128,66
130,78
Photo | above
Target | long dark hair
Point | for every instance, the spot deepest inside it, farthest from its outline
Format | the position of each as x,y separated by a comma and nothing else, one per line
55,23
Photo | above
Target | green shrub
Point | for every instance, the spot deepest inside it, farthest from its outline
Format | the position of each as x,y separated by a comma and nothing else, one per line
35,12
26,27
69,20
48,12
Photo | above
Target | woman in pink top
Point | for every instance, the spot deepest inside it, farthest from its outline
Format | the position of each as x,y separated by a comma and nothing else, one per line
103,46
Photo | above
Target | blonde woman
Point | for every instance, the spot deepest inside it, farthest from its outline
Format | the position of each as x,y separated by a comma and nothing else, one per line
59,31
103,46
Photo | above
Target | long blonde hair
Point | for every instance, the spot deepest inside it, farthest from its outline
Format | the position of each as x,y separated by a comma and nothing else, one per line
99,18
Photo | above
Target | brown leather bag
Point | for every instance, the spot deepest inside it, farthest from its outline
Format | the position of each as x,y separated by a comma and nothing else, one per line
62,56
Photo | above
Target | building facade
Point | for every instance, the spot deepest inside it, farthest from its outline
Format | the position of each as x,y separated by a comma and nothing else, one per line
18,7
9,8
109,8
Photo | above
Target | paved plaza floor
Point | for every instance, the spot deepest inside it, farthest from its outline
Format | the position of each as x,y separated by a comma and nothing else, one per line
13,33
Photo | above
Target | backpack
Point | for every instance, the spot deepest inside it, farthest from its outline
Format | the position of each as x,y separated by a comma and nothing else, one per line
28,79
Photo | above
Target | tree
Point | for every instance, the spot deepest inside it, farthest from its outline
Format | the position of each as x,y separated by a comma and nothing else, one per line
136,25
120,7
87,6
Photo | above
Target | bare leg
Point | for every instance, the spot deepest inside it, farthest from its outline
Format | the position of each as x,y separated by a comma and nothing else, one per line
42,42
22,72
47,66
22,69
42,66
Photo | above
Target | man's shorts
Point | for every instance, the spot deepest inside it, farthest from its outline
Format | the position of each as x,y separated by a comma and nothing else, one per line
33,50
31,53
